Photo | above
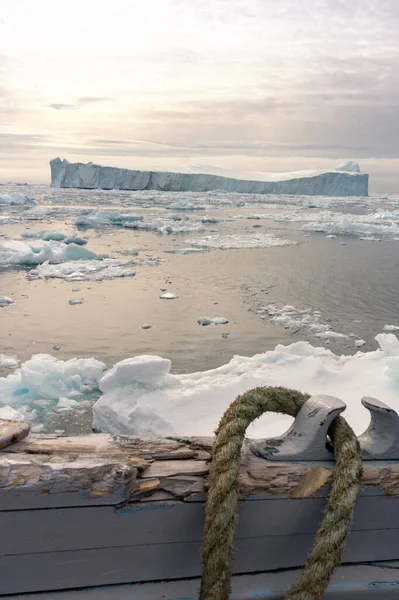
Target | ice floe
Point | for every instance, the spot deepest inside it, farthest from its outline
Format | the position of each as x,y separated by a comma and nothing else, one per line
15,252
299,320
8,362
40,382
105,218
84,270
58,236
16,199
204,321
236,241
391,328
155,402
167,226
5,301
168,296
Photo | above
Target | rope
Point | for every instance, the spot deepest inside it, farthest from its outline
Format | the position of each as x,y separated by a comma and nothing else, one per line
222,499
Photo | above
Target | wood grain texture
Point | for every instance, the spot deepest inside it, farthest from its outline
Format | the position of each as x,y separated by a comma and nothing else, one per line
11,432
162,562
360,582
95,466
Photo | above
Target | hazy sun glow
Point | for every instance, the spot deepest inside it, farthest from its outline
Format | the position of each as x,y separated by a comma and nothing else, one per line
260,85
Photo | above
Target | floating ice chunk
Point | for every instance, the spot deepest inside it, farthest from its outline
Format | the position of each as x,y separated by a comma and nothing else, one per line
297,319
82,270
185,205
146,326
143,370
167,226
76,301
130,252
360,343
17,200
66,404
105,218
168,296
191,404
331,236
235,241
325,335
209,220
5,301
8,362
10,414
184,251
58,236
215,321
14,252
43,377
391,328
369,238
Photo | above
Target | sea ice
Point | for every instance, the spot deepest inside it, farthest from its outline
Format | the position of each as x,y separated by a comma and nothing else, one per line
43,377
169,226
85,270
105,218
391,328
8,362
236,241
360,343
296,319
16,200
184,251
15,252
192,404
215,321
5,301
59,236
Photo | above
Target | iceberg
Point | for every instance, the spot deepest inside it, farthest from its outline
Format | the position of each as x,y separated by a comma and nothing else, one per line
344,180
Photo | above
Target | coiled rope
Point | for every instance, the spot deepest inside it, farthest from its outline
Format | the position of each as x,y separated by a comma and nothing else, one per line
222,498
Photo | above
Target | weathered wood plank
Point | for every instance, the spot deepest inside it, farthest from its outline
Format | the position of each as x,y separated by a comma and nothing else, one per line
348,583
59,530
159,562
11,432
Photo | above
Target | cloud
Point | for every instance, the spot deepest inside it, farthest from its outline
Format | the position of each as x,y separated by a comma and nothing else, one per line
56,106
92,99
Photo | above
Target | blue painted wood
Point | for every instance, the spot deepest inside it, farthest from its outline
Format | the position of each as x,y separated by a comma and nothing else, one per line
359,582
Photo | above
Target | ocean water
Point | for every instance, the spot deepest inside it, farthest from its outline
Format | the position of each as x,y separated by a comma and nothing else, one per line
344,284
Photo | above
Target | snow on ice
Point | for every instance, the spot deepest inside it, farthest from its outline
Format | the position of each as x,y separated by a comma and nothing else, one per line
236,241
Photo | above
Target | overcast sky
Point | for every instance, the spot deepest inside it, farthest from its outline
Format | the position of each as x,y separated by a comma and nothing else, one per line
267,85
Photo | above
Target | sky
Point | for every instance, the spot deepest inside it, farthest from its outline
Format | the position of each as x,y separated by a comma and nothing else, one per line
271,85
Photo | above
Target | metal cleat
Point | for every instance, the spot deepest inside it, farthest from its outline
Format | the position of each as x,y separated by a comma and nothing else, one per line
380,441
307,437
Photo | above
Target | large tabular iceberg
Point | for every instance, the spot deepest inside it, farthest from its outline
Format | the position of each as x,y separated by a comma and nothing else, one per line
345,180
